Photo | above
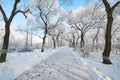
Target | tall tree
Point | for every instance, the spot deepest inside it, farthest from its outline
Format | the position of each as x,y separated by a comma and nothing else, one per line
109,10
46,10
7,28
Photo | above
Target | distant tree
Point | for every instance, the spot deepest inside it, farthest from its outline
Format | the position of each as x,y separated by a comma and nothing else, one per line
109,10
100,14
69,38
84,21
55,31
54,34
72,37
7,28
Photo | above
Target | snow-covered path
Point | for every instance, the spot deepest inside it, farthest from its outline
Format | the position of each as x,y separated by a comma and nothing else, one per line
62,65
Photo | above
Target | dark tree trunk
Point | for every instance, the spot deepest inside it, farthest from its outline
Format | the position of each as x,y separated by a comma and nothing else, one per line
76,44
54,44
5,43
44,39
82,40
73,43
107,49
109,11
106,52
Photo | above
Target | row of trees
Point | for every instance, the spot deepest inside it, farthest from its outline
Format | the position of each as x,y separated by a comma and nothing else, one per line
51,21
84,25
47,18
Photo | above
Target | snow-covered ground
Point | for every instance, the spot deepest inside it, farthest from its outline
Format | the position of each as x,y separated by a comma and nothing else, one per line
17,63
59,64
104,72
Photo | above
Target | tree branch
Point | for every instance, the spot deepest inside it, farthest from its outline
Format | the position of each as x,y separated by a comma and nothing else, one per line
23,12
77,27
107,5
3,13
115,5
56,23
14,9
41,16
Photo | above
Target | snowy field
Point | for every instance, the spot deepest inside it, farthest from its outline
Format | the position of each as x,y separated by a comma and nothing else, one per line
59,64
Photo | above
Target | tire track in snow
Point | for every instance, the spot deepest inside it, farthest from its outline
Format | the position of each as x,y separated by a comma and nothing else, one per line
62,65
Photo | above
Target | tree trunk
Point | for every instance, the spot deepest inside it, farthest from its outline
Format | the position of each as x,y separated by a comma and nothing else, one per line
107,49
43,44
96,43
5,43
54,44
82,41
76,44
73,43
78,37
44,39
106,52
95,39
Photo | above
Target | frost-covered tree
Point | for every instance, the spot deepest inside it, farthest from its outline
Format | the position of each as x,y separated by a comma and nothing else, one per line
83,21
45,11
57,28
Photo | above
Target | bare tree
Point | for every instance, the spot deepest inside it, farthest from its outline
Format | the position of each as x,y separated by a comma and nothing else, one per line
7,28
46,10
72,38
55,36
69,39
84,22
109,10
55,31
